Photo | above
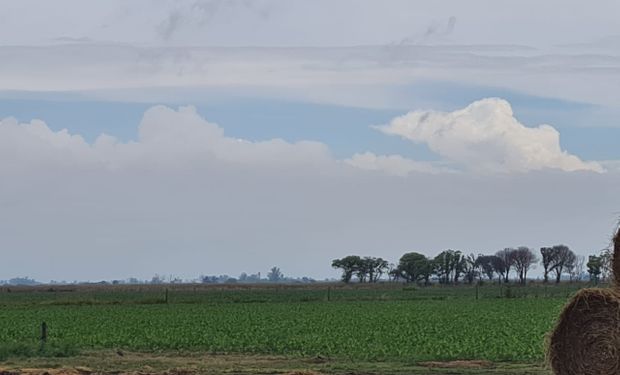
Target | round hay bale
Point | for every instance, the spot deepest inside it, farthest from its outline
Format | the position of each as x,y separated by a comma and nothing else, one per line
586,340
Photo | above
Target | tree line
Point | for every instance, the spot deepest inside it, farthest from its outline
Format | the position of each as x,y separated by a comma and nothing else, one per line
453,266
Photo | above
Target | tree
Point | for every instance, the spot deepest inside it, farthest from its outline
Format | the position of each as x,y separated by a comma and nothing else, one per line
458,265
487,263
427,271
470,268
274,275
499,266
449,265
606,263
577,270
507,257
349,266
374,268
547,258
562,259
594,268
443,266
414,267
393,272
523,258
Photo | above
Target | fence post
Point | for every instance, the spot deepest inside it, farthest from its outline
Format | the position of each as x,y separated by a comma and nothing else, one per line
329,293
43,336
43,332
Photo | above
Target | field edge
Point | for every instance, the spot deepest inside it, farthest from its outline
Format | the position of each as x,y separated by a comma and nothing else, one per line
171,363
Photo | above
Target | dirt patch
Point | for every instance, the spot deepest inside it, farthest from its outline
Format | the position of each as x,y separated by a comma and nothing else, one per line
83,371
457,364
41,371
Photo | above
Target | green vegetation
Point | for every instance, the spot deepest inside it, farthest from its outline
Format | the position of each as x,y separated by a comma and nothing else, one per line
384,322
454,267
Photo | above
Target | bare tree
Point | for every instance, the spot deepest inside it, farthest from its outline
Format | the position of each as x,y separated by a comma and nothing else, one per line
507,257
548,254
524,259
578,268
489,265
605,266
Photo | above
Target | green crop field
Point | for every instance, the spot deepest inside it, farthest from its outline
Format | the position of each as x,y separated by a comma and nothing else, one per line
381,323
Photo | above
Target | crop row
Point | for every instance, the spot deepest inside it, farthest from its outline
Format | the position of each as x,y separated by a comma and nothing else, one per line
492,329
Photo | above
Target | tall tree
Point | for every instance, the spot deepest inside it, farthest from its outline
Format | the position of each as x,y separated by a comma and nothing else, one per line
471,268
374,268
499,266
606,258
458,265
443,266
392,272
524,259
562,260
507,257
577,270
413,266
547,254
594,268
349,266
486,264
449,266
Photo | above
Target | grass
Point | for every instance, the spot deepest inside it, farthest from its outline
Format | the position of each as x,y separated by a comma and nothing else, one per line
388,328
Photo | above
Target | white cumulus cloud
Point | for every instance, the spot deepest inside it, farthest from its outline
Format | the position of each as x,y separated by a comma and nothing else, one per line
167,138
485,136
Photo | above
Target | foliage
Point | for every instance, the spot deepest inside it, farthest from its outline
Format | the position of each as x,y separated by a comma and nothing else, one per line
449,266
489,265
558,259
594,268
523,259
506,258
366,269
413,267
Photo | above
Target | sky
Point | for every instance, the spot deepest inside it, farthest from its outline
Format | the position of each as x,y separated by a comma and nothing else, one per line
196,137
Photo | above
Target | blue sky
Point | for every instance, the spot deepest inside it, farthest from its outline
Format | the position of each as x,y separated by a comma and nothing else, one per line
246,134
586,129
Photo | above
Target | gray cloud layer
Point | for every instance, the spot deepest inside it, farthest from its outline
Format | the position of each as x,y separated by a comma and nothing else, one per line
358,76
